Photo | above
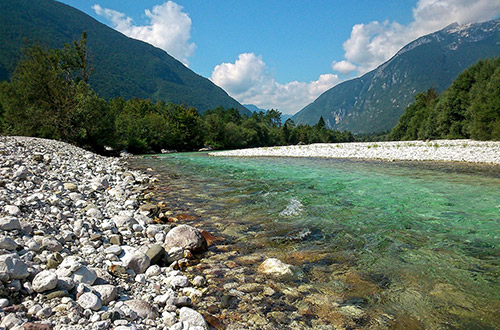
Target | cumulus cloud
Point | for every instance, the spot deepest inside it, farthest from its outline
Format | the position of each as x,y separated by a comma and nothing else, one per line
369,45
248,81
343,67
169,28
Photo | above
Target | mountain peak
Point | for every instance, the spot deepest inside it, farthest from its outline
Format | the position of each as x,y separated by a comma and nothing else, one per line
375,101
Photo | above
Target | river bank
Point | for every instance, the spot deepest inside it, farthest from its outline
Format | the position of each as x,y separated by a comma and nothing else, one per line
437,150
92,223
79,248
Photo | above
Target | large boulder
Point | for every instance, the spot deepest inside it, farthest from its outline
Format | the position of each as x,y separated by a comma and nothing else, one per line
186,237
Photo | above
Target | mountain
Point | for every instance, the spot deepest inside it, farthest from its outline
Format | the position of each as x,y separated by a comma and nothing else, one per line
254,108
375,101
122,66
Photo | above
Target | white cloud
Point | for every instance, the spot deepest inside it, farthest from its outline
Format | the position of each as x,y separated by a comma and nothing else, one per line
248,81
247,72
169,28
371,44
343,67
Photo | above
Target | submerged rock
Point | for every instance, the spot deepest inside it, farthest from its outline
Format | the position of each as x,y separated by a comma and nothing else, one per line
275,267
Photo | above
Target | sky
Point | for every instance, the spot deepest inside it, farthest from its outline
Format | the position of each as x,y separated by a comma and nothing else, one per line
282,54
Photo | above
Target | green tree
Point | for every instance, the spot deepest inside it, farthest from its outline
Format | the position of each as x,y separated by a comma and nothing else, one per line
93,122
485,108
411,125
42,96
321,123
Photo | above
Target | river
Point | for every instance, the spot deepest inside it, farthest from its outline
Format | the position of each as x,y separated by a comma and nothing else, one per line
375,245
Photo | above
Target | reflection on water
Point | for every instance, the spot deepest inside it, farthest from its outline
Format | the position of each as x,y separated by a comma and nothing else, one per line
417,243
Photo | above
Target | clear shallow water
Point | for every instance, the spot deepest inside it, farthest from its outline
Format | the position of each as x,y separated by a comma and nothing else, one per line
417,243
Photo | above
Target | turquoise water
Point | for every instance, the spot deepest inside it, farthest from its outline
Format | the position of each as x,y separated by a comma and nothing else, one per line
416,242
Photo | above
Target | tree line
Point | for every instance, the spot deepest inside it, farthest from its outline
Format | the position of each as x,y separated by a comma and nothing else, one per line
49,96
468,109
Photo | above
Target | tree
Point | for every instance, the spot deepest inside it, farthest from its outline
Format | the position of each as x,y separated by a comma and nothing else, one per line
42,95
485,107
321,123
469,108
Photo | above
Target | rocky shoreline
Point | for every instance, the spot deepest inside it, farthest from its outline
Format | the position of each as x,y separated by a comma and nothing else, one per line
85,244
80,250
438,150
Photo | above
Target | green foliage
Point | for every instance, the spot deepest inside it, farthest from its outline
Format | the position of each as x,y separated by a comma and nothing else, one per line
469,108
42,98
413,121
49,97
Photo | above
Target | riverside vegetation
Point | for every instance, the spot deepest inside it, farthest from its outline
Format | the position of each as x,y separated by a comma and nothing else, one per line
49,96
468,109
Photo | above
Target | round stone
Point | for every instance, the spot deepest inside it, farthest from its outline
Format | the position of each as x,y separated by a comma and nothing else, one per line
107,292
44,281
135,259
84,275
154,270
88,300
192,317
51,244
186,237
143,309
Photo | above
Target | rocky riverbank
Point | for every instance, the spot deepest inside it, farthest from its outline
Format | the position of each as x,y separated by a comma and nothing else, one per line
438,150
79,249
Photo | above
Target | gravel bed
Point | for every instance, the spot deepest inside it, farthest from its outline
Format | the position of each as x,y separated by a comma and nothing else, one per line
79,248
437,150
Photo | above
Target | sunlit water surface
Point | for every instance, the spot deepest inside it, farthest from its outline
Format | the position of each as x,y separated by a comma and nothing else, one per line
412,240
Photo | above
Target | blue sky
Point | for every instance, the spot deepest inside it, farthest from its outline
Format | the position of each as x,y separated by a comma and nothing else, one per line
282,54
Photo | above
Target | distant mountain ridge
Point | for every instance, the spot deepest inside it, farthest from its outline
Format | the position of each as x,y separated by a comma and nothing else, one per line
254,108
375,101
122,66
